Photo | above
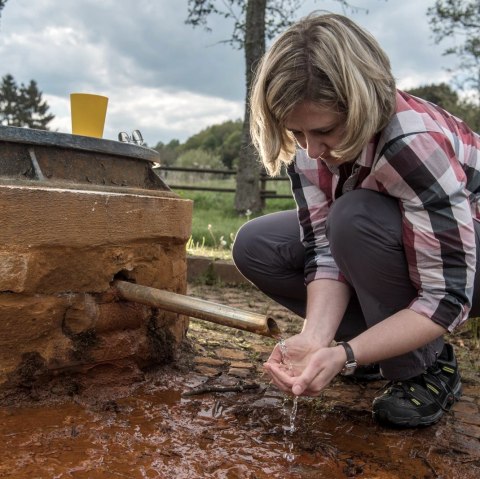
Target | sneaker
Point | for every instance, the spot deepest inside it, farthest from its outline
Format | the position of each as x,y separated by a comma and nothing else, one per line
422,400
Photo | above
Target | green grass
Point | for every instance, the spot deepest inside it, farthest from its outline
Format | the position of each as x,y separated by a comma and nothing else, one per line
215,222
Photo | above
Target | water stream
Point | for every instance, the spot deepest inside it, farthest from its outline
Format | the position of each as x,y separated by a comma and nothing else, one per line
289,408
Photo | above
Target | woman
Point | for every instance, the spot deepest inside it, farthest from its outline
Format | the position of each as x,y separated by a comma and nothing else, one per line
381,252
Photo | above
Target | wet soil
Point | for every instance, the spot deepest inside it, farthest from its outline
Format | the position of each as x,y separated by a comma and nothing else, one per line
212,414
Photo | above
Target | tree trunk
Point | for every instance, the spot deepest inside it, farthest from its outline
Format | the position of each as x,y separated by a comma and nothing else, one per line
247,196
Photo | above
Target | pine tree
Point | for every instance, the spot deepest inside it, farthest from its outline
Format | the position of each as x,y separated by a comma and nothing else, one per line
9,107
33,109
23,105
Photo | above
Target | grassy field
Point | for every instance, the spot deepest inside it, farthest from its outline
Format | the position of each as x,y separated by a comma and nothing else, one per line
215,221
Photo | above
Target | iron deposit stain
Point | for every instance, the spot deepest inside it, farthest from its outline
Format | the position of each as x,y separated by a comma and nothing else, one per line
154,432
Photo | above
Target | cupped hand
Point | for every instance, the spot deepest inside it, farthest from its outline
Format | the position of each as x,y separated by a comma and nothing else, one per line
307,368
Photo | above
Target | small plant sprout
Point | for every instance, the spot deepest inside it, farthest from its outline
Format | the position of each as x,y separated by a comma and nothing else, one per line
232,240
210,230
222,243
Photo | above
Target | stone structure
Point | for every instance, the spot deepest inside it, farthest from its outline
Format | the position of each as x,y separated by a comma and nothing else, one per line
76,213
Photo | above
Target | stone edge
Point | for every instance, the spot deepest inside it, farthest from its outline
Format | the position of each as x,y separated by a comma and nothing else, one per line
204,268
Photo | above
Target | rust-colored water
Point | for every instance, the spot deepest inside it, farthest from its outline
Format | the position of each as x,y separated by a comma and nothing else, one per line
157,433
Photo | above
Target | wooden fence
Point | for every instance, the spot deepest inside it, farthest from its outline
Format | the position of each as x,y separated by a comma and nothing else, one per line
264,179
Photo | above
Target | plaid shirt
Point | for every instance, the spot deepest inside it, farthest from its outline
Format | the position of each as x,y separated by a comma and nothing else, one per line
430,161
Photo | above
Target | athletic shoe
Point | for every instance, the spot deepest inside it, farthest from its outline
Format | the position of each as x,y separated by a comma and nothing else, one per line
421,400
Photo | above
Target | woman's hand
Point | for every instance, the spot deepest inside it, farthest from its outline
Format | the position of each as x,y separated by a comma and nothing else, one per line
307,369
310,364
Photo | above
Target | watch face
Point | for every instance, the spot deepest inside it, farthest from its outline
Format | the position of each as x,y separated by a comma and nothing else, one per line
349,368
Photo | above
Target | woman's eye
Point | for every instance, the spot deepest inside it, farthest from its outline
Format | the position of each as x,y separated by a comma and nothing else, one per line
320,133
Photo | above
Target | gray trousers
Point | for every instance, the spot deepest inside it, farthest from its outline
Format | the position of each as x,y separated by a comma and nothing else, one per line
365,235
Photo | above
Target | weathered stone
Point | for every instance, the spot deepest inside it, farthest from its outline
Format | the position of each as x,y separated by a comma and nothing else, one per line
55,270
465,407
241,365
60,251
236,354
470,430
29,324
268,402
241,373
209,361
206,371
13,271
467,418
77,218
219,270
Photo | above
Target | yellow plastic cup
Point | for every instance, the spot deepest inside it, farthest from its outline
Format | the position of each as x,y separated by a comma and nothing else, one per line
88,113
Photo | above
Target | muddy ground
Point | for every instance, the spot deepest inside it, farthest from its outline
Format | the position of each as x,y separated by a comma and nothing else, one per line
212,414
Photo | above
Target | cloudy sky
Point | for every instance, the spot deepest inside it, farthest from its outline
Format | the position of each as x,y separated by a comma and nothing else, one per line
164,77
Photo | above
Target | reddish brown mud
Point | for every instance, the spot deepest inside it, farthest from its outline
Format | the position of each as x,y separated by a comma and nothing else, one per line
155,430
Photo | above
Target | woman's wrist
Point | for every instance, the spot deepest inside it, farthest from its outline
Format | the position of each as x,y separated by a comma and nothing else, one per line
315,335
338,358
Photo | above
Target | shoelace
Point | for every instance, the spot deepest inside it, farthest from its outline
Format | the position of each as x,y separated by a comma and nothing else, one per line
445,385
396,385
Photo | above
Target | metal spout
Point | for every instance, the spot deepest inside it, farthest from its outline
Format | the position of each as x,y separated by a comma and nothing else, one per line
198,308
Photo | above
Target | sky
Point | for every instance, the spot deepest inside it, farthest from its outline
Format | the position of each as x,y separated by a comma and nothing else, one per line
164,77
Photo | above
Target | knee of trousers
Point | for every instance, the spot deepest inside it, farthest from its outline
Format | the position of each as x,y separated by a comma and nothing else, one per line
240,255
363,222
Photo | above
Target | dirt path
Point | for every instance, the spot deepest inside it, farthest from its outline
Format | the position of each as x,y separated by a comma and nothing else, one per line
450,448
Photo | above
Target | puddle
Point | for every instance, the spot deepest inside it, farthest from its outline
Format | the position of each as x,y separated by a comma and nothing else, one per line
157,433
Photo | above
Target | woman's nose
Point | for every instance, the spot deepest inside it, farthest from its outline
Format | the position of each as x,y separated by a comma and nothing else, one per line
315,148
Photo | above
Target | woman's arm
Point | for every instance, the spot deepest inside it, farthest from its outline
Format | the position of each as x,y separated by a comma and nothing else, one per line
326,305
399,334
327,302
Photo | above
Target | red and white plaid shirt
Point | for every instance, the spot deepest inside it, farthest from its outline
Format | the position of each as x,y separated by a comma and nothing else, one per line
430,161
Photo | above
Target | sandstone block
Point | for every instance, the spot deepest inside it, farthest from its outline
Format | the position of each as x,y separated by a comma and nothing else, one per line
13,271
81,218
28,324
60,251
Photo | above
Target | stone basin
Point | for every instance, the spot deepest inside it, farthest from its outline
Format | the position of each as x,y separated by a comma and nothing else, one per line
76,213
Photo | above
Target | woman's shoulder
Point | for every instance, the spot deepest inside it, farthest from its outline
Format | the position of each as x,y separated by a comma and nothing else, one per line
412,115
415,115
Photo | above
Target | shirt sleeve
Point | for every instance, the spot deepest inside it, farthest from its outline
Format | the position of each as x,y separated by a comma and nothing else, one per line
313,204
422,171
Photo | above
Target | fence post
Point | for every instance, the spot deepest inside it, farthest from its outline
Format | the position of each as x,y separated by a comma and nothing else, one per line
263,187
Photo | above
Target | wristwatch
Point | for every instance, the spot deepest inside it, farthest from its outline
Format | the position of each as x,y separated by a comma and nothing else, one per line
351,362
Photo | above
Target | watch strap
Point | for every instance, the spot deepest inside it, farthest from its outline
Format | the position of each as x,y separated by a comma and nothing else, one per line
351,362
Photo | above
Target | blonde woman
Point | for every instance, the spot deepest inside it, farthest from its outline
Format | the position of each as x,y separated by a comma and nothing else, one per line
381,253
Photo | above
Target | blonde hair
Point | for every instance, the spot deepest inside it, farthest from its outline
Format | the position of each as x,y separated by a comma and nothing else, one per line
329,60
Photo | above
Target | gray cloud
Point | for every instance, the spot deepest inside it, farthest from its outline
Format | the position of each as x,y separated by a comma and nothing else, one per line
162,75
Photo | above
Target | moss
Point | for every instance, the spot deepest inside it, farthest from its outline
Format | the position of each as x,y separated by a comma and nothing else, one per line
31,368
82,343
161,341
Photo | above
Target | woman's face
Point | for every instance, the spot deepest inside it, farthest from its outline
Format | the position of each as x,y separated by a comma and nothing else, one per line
317,129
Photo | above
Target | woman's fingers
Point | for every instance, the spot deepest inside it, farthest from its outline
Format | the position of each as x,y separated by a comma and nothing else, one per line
306,376
276,356
315,377
281,377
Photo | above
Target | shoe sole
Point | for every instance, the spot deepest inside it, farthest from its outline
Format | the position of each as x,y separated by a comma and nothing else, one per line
385,417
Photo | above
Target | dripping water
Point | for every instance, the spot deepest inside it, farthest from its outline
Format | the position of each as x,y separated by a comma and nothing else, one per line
290,413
